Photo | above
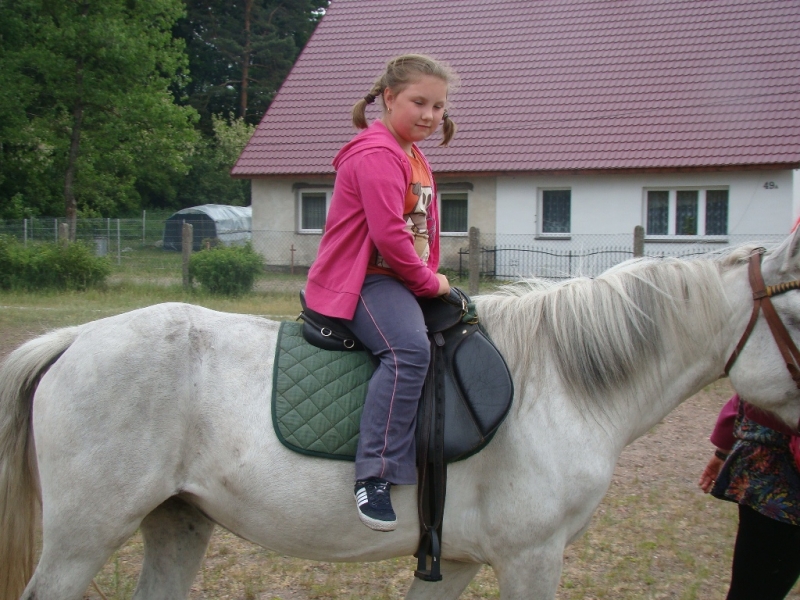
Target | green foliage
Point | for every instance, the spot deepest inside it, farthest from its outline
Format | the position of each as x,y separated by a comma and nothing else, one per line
209,180
101,117
86,110
44,266
226,270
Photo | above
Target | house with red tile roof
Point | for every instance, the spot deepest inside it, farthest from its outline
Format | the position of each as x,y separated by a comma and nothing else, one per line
575,117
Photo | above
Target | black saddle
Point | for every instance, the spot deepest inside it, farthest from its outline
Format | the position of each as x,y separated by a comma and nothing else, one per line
467,394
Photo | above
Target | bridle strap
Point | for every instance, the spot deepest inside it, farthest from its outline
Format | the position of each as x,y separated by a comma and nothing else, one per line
762,302
755,277
790,353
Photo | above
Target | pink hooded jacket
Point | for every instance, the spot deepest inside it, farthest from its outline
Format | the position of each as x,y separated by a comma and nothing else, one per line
366,213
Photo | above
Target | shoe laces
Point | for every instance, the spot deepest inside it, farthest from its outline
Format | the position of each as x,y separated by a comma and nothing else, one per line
378,494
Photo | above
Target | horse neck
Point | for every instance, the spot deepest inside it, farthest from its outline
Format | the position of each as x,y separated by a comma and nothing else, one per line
688,368
681,379
673,343
617,418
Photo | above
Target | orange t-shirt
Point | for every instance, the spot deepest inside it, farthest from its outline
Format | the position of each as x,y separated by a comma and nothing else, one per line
415,211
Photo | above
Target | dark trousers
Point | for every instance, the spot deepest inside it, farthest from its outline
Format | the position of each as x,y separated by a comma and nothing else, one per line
766,557
389,322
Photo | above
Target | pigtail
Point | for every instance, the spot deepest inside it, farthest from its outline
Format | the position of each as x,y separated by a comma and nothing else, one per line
360,107
449,129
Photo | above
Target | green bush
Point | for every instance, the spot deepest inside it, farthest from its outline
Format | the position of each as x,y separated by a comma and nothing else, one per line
50,266
226,270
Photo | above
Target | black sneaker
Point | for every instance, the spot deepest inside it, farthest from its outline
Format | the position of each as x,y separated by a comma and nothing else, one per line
375,505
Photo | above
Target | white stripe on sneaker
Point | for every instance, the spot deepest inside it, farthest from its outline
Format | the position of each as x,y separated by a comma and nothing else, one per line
361,497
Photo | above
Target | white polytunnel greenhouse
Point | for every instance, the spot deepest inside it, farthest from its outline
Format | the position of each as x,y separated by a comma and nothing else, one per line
231,225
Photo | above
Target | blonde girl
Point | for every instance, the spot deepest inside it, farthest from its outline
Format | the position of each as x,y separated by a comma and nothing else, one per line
379,252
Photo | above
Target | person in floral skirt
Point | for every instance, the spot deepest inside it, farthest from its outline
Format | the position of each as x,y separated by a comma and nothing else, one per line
755,465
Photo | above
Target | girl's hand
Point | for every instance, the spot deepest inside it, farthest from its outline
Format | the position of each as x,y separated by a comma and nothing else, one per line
709,475
444,285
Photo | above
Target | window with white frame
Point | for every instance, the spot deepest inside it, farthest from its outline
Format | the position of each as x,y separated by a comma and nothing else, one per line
687,212
556,208
454,207
312,209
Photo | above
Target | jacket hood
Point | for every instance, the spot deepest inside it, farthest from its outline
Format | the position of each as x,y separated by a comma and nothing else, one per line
374,136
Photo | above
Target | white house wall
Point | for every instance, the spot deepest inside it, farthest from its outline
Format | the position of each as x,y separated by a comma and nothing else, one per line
760,202
273,208
275,234
761,208
480,213
796,203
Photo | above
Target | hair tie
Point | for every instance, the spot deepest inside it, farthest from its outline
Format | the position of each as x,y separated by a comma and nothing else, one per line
445,116
369,98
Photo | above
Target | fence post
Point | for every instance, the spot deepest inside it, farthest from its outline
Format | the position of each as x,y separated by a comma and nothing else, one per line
25,232
186,248
144,227
638,241
474,260
63,234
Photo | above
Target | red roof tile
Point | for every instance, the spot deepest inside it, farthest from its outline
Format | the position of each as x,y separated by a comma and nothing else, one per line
556,84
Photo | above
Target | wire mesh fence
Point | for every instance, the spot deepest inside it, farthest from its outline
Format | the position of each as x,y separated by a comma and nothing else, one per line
136,250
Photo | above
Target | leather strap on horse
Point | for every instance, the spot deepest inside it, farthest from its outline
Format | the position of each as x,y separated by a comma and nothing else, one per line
754,285
762,302
431,470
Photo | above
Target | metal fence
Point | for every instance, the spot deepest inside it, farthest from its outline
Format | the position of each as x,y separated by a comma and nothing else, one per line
134,247
109,236
522,256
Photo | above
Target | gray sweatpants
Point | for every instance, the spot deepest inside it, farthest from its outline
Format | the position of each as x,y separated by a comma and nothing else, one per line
389,322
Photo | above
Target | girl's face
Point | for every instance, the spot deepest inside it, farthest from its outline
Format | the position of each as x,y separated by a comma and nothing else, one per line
415,112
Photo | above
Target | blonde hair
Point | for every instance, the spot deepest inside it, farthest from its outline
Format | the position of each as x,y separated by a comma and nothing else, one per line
401,72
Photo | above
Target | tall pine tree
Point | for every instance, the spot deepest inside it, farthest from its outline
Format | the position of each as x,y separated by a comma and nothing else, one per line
240,51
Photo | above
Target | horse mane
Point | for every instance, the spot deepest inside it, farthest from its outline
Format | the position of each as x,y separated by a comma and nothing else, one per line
598,334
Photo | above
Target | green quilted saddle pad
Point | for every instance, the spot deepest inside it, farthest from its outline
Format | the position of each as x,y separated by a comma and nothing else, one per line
318,395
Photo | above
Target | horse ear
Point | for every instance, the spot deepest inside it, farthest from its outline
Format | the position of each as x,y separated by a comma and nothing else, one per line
790,251
791,260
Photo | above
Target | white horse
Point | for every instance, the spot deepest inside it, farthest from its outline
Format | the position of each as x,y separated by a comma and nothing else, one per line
159,419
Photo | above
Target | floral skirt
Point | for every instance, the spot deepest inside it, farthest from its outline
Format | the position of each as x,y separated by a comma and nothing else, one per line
761,473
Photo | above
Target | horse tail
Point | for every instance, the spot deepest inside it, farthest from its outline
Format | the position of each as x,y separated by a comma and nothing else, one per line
19,478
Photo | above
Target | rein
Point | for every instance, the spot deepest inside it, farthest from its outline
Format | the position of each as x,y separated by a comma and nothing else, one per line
761,302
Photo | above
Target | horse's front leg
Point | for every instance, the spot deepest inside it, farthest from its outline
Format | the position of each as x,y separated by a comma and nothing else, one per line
455,579
530,575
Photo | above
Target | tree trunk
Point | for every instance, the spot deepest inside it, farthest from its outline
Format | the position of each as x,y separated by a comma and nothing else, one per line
71,204
248,9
